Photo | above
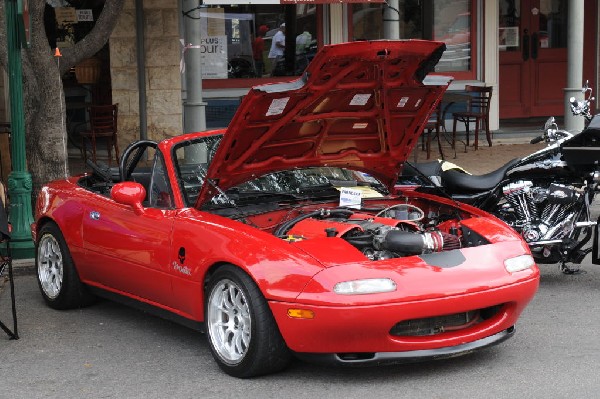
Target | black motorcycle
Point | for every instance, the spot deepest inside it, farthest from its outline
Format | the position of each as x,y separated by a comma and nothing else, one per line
544,196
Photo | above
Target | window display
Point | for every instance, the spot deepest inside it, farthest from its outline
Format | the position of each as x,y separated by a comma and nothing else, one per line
256,41
447,21
452,25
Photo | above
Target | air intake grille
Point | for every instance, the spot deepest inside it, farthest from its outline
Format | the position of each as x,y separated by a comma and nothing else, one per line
440,324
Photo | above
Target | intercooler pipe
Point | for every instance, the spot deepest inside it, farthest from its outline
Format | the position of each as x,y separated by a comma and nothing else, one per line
410,243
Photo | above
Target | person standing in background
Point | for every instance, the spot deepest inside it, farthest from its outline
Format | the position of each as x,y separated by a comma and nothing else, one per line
277,47
303,41
258,48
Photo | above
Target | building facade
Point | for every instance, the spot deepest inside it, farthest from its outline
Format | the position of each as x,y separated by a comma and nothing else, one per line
519,47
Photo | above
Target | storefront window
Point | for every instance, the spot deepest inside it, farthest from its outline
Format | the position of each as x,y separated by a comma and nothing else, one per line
452,25
553,17
447,21
256,41
544,27
508,30
370,21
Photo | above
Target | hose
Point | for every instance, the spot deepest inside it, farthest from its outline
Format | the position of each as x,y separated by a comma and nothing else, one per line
285,227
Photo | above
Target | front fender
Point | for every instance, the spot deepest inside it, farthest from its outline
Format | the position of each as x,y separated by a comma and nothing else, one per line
61,202
279,268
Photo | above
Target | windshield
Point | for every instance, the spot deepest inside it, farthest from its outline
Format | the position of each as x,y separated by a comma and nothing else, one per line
193,158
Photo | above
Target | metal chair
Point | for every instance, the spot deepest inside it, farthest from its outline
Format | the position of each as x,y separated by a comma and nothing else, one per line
435,124
103,126
478,112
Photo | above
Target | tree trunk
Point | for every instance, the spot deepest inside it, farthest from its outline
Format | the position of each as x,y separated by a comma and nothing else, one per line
43,93
45,142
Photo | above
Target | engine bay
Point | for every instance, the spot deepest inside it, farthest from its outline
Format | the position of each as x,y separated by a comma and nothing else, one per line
381,231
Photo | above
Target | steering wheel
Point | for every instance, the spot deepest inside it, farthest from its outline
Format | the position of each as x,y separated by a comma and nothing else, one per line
132,155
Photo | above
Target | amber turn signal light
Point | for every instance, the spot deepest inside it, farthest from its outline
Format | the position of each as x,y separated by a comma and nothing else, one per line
301,314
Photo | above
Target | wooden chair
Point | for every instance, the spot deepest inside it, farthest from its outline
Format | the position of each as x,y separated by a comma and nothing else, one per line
478,112
103,126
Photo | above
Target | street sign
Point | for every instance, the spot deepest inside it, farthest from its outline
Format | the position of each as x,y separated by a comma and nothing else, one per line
84,15
24,22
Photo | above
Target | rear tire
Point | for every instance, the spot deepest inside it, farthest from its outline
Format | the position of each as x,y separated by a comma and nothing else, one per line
242,333
57,278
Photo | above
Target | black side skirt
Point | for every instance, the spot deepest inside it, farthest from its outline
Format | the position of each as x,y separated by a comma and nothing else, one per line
164,314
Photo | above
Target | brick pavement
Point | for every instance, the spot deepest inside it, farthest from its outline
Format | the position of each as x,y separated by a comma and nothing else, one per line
482,160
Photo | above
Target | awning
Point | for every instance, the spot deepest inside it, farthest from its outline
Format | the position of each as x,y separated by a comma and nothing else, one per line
242,2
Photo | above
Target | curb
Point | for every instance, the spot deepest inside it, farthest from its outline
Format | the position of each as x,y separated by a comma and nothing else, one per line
508,138
511,140
504,137
23,267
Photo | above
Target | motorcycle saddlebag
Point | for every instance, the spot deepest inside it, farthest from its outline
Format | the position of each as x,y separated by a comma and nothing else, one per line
584,148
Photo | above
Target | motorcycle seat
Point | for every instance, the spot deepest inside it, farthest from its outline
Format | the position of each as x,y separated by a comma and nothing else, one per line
431,168
458,182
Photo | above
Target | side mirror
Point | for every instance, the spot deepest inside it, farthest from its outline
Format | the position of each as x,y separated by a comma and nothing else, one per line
586,86
129,193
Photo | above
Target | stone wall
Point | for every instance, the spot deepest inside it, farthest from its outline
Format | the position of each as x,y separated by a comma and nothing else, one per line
163,80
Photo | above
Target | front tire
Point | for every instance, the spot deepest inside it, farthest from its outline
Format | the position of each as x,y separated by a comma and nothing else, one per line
57,278
243,336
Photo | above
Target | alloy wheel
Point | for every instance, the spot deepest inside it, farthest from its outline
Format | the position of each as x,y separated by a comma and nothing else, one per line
229,321
50,266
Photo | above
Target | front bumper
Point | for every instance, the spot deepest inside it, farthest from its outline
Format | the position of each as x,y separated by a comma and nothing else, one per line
367,329
383,358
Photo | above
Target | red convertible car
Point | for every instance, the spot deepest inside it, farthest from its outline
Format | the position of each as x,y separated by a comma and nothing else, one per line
279,237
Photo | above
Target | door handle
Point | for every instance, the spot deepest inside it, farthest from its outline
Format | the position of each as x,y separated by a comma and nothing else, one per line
525,49
534,45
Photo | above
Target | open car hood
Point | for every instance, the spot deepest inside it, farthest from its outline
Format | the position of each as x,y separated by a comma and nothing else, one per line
359,105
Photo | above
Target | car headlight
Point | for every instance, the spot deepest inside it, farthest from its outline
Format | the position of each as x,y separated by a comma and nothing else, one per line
519,263
365,286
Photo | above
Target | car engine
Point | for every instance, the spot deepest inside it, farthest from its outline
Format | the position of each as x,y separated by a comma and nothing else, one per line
541,213
378,237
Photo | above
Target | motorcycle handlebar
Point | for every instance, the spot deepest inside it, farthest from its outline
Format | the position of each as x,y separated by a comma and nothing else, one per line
536,140
582,107
573,102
